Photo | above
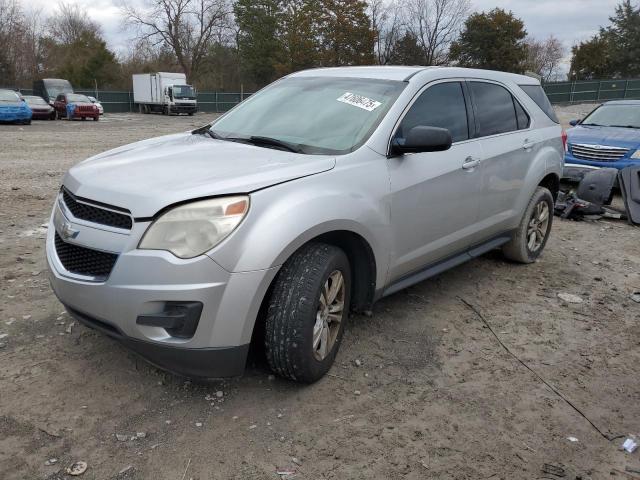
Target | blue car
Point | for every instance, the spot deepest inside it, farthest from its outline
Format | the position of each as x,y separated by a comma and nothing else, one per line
608,137
13,109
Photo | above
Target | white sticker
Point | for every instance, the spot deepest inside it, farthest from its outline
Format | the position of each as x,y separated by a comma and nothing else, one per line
359,101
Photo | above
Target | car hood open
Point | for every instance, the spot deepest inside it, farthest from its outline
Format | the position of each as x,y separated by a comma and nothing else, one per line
147,176
611,136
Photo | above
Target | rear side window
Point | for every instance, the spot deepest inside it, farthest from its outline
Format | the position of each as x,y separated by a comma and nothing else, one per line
537,95
521,115
495,108
441,105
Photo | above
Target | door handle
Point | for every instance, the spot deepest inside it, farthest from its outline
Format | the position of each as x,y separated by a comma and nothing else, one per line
470,163
528,145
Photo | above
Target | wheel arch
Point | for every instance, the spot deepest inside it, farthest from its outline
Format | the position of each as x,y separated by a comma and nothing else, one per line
551,182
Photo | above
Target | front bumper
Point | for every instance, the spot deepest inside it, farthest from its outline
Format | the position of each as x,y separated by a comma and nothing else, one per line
187,108
619,164
142,282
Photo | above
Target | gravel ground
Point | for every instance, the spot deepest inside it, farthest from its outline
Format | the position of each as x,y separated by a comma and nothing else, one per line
436,395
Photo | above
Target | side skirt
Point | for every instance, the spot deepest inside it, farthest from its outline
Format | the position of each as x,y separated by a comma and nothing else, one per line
434,269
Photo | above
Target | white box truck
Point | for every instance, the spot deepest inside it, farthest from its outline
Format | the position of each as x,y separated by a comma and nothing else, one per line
164,92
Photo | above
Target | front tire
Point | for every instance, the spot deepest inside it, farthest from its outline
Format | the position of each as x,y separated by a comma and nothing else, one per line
532,234
307,310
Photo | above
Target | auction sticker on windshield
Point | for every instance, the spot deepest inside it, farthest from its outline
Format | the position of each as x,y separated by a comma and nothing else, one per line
359,101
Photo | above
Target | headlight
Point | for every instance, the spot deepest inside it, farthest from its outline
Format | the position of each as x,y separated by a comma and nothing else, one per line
195,228
636,156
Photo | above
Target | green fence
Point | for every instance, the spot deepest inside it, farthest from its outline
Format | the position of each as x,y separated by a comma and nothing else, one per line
592,90
122,102
560,92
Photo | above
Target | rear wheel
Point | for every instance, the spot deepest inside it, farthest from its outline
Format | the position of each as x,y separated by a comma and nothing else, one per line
307,311
95,119
532,234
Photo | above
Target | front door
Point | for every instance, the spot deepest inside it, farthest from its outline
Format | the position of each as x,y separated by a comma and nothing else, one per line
434,196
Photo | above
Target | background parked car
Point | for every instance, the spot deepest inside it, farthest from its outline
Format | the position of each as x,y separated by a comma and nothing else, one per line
50,88
608,137
40,109
13,108
75,105
97,103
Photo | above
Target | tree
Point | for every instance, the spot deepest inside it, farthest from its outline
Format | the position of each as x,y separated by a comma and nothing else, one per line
346,36
623,38
75,50
258,40
387,26
493,40
614,52
544,57
188,27
435,24
591,60
406,51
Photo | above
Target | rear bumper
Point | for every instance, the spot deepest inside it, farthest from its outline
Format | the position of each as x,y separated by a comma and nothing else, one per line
189,362
15,117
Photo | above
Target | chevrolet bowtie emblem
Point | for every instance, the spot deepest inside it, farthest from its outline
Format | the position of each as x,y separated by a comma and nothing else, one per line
67,231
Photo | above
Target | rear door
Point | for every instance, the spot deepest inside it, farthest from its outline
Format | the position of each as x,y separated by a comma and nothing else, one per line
509,144
434,209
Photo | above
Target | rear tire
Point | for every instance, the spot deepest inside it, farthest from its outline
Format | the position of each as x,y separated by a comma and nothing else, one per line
307,311
532,234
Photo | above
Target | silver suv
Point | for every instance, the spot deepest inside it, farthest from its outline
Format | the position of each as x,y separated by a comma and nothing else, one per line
314,198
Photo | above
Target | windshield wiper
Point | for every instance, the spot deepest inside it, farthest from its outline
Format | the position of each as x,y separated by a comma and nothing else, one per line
591,125
260,140
625,126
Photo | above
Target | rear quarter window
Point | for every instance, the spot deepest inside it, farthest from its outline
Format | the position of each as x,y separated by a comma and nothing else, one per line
536,93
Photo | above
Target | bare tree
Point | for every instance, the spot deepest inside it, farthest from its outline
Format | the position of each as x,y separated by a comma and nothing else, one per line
70,22
19,41
435,24
544,57
188,27
387,23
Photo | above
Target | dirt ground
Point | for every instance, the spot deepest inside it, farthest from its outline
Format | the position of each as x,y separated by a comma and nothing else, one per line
436,396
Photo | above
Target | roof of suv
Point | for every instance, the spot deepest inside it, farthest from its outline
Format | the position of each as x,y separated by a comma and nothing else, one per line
405,74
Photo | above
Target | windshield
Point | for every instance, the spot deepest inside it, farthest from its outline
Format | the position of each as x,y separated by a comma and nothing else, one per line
615,116
8,96
75,97
183,91
35,101
320,115
53,90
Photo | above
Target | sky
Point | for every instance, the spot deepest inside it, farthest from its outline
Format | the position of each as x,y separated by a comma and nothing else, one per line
569,20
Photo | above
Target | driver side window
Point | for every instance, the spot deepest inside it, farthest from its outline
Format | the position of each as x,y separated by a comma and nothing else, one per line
441,105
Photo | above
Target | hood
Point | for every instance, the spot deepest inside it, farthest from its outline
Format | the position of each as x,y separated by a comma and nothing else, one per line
611,136
147,176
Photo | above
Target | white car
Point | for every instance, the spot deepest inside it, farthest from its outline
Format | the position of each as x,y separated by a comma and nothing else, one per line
97,104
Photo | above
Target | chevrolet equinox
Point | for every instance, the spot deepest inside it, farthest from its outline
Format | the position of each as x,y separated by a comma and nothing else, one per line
315,197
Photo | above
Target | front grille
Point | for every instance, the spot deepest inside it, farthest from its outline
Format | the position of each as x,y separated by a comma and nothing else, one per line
598,152
85,109
96,214
84,261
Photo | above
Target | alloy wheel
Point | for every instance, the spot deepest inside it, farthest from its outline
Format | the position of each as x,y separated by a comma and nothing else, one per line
329,315
538,226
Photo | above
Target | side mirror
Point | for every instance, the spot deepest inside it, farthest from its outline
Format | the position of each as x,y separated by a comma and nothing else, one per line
573,123
423,139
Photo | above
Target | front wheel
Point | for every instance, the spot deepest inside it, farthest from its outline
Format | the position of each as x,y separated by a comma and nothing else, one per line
307,310
532,234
